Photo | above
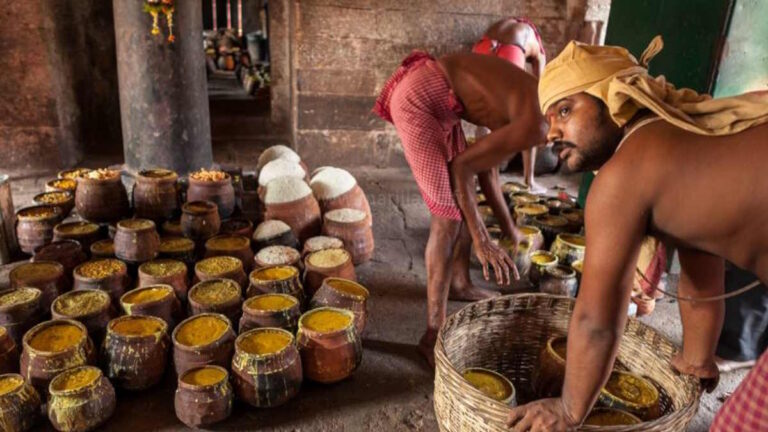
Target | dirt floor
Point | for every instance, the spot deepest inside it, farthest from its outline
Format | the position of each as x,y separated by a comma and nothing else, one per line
392,389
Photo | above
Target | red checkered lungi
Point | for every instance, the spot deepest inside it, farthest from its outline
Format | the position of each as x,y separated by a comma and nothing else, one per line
747,408
419,101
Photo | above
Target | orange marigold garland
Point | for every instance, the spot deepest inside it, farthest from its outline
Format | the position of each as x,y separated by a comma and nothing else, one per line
165,7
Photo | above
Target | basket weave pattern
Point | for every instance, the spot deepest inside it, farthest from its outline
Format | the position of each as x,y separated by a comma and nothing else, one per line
507,334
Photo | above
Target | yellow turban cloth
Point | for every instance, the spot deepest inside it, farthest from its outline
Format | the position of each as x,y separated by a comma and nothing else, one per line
612,74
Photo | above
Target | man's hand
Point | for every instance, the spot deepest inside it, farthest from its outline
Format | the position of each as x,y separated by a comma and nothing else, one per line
497,258
708,374
546,415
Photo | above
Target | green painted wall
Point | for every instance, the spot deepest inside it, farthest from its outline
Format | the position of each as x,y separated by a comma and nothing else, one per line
744,65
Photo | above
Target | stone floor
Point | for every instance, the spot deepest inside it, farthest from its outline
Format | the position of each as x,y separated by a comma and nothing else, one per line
392,389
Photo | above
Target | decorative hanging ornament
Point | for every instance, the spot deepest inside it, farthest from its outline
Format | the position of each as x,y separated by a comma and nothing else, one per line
164,7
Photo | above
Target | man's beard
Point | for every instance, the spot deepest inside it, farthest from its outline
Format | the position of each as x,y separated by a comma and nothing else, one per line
588,158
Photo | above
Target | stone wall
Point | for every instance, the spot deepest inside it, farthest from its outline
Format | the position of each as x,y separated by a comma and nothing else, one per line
346,49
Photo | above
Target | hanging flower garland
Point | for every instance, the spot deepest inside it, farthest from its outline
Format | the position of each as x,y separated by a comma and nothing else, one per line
165,7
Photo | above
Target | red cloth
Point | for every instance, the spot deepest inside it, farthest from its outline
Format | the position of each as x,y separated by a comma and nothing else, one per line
419,101
511,53
747,408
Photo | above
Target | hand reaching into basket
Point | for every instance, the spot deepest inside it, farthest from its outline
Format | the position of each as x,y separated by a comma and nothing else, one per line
546,415
492,255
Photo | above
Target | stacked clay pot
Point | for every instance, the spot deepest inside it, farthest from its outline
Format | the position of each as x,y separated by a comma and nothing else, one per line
213,186
101,197
200,220
354,229
34,226
290,200
155,194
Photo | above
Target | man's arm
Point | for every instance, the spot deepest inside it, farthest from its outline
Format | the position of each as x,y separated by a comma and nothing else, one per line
615,227
491,187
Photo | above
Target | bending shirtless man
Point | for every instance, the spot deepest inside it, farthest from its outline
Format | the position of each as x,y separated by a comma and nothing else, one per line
517,41
426,99
681,166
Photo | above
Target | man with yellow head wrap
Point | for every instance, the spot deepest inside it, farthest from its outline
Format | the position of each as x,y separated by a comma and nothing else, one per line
681,166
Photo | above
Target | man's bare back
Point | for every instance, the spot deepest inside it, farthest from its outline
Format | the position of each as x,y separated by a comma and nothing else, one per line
493,91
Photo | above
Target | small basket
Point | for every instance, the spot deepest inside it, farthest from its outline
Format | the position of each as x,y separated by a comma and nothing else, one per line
506,334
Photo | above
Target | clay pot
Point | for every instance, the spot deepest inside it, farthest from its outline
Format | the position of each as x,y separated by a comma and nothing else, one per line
575,219
64,200
302,215
221,267
540,261
330,263
354,198
274,233
19,311
101,200
200,220
68,253
136,240
135,351
510,188
550,226
626,396
352,228
85,233
271,310
547,379
114,279
178,248
329,356
153,300
557,205
507,397
266,378
216,295
276,279
234,245
93,308
9,353
165,271
42,358
533,235
343,294
278,255
47,276
103,249
319,243
34,226
61,185
20,405
524,213
221,193
520,254
569,248
201,340
84,407
519,198
204,396
172,228
559,280
72,173
155,195
237,226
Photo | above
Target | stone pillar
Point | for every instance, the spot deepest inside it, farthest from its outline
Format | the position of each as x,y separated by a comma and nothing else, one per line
163,93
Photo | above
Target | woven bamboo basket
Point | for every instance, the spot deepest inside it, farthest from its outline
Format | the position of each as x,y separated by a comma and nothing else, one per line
506,334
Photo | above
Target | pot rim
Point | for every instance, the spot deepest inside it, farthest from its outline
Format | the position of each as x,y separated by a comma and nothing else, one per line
547,253
50,183
73,293
14,375
182,269
614,410
251,311
57,229
112,333
570,273
219,341
58,242
551,349
190,243
39,327
536,230
309,267
105,181
211,183
122,228
317,334
120,273
69,392
36,298
288,204
564,238
235,220
128,306
60,174
230,282
171,177
344,293
71,197
548,220
513,391
237,269
263,265
49,278
57,213
294,269
245,245
541,207
632,405
210,207
199,388
292,342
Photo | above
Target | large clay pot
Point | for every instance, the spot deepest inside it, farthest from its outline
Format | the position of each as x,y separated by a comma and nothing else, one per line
216,295
202,340
86,233
101,200
344,294
19,405
276,279
200,220
136,240
271,310
52,347
68,253
204,396
108,274
165,271
569,248
353,228
559,280
64,200
84,406
93,308
155,195
19,311
336,263
47,276
34,226
234,245
266,367
219,192
302,215
135,351
329,345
